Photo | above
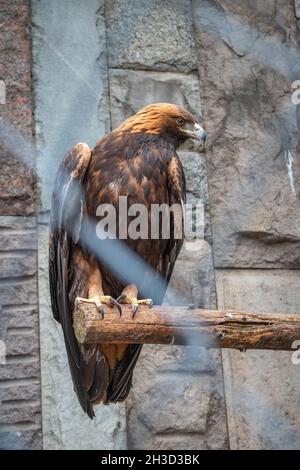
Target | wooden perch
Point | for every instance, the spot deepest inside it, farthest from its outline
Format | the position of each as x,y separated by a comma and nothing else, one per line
181,325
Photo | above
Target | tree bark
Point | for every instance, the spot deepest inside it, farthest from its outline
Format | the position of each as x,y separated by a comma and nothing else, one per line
181,325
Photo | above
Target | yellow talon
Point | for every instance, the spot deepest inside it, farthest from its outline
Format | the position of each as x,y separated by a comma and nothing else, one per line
99,300
134,302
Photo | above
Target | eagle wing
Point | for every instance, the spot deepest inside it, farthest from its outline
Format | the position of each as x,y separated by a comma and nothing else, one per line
177,195
67,209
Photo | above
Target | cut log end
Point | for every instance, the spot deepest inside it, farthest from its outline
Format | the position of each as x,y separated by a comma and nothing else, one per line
183,326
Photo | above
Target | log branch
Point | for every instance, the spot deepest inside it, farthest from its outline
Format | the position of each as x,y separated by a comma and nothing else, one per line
183,326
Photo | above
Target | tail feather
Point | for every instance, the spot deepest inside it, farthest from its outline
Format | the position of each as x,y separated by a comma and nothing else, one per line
98,390
120,378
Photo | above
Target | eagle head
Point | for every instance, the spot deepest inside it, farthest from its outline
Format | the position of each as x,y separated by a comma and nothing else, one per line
166,120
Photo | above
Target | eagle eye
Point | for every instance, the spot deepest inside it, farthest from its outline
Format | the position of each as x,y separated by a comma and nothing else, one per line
180,121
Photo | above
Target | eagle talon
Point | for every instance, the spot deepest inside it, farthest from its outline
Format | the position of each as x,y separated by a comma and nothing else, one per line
115,303
100,309
99,300
111,302
134,302
121,298
134,309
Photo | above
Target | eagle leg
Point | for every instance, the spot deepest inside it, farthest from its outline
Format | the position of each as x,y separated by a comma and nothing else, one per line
99,301
129,296
95,294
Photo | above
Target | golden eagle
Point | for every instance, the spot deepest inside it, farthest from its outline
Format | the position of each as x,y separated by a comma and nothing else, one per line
137,160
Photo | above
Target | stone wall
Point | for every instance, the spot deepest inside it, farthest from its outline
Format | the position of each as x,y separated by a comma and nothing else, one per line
231,62
20,407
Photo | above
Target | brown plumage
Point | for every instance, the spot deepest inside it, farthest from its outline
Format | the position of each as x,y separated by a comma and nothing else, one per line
137,160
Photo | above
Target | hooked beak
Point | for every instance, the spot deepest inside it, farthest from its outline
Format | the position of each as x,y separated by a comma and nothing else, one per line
197,133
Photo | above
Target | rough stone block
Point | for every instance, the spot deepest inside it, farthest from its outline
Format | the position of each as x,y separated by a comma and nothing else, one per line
21,343
17,247
20,411
175,393
177,359
17,265
262,387
16,292
174,406
192,281
195,174
20,367
15,413
26,390
10,241
17,181
253,134
69,63
194,165
150,34
15,235
130,90
23,316
10,440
